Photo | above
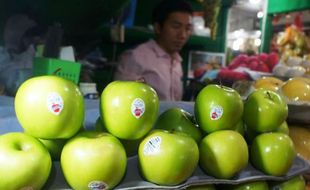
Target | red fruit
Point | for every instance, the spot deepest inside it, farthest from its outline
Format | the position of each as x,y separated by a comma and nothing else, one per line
237,61
263,57
253,64
272,61
232,75
253,58
199,72
263,67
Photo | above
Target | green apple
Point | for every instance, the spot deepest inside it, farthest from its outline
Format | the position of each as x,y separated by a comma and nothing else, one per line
283,128
54,147
295,183
250,133
240,127
180,120
99,125
272,153
253,185
223,154
24,162
93,159
129,109
218,107
131,146
49,107
264,110
167,158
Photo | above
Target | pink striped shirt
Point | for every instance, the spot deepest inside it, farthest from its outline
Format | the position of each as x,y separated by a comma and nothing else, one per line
160,70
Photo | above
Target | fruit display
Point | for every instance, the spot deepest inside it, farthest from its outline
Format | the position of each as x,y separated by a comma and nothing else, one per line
294,49
262,62
295,90
241,67
178,148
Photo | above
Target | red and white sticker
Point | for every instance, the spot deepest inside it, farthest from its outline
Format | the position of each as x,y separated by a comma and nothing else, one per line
55,103
97,185
137,107
216,112
152,146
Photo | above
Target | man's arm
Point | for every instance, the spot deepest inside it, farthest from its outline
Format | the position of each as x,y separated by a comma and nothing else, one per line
128,67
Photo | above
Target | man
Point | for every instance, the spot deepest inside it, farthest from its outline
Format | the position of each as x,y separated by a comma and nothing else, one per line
157,61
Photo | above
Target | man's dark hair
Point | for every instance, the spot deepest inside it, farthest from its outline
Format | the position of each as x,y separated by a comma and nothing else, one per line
166,7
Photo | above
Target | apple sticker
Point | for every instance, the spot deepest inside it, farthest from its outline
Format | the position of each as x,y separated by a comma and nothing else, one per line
152,146
137,108
97,185
216,112
55,103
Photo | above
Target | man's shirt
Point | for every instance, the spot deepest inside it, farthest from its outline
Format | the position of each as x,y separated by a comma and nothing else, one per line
160,70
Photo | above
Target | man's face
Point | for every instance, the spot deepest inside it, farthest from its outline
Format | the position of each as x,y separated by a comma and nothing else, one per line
174,32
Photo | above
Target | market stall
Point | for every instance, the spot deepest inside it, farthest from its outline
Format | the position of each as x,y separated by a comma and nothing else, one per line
253,143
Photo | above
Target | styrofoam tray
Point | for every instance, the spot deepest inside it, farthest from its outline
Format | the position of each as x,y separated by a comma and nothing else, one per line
299,113
133,180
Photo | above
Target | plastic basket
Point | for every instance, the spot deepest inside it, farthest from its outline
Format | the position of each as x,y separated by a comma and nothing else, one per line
63,68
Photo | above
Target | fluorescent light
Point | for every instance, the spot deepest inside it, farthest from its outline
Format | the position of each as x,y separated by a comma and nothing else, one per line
257,42
260,14
255,1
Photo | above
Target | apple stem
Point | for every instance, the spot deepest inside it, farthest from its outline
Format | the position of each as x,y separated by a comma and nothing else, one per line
172,131
269,96
56,71
142,80
221,84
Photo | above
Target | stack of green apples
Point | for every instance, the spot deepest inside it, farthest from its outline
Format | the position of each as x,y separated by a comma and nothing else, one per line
43,107
230,134
222,136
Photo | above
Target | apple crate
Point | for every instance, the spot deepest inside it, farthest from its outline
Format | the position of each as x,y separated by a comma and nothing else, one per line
63,68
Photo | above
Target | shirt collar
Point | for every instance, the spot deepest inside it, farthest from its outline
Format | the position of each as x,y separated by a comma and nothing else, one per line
161,53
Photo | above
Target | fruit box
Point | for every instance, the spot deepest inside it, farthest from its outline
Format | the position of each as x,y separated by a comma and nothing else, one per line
63,68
